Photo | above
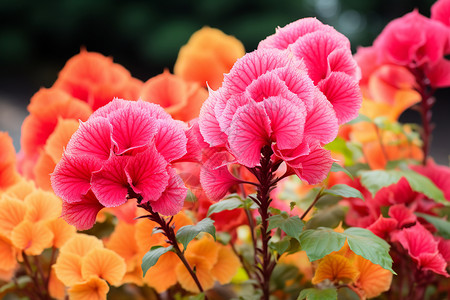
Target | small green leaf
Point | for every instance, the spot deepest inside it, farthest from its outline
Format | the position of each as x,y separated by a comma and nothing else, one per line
187,233
200,296
227,204
280,246
344,190
292,226
320,242
151,257
292,204
366,244
377,179
335,167
329,216
360,118
316,294
339,145
442,226
11,286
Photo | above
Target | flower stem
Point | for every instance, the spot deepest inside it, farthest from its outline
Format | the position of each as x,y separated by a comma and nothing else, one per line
265,176
168,230
319,194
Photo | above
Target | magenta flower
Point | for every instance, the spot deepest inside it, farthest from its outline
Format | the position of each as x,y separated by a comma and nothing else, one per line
124,149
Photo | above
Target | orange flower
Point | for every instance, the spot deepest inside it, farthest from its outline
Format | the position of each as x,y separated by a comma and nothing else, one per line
95,79
162,275
336,268
123,242
12,212
42,206
68,268
32,238
62,232
8,254
21,189
55,287
81,244
301,261
105,264
208,54
180,98
92,289
373,279
8,172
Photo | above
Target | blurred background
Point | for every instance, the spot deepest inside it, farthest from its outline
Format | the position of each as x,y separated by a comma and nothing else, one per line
38,37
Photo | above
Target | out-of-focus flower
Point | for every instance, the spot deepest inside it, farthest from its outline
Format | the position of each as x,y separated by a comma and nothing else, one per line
8,171
180,98
208,54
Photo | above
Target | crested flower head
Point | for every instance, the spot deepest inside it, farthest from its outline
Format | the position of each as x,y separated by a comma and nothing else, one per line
125,148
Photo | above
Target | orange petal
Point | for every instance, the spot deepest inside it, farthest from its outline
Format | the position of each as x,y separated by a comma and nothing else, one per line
21,189
12,212
301,261
8,171
123,242
62,231
56,142
68,268
31,237
335,268
373,279
42,169
81,244
7,253
92,289
55,287
208,54
205,248
162,275
7,275
42,206
226,266
134,276
104,263
202,270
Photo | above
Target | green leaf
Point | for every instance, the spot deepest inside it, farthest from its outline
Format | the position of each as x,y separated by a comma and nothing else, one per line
151,257
280,246
377,179
227,204
22,282
200,296
320,242
344,190
316,294
187,233
442,226
366,244
339,145
329,216
335,167
360,118
292,226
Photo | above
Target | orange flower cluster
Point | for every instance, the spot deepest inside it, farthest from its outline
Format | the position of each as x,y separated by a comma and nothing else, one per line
211,260
368,280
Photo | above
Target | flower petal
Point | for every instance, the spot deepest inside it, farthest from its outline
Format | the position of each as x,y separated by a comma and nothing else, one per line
105,264
172,199
82,214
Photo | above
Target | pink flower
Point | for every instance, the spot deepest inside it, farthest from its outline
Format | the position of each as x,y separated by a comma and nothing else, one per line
124,147
423,249
440,11
328,60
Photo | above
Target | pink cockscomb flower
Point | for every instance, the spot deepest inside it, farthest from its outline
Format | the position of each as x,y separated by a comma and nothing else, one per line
124,149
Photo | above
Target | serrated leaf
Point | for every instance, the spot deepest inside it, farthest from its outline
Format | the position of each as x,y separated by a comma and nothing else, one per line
320,242
442,226
151,257
366,244
292,226
187,233
316,294
377,179
227,204
344,190
280,246
335,167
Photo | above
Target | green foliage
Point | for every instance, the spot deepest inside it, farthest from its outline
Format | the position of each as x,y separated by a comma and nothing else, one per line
339,145
322,241
360,118
316,294
442,226
226,204
335,167
200,296
151,257
292,226
344,190
377,179
280,246
187,233
329,216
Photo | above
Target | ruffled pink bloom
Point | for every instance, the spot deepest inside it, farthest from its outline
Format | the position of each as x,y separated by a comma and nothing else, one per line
423,249
328,60
440,11
438,174
124,147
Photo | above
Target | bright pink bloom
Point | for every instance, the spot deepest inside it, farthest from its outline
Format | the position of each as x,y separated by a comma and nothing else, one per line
438,174
423,248
124,147
402,214
383,227
440,11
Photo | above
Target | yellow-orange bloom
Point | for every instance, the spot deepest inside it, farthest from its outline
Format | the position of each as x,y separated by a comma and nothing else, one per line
62,231
180,98
21,189
31,237
373,279
105,264
336,268
42,206
123,242
12,212
7,253
81,244
208,54
68,268
92,289
55,287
